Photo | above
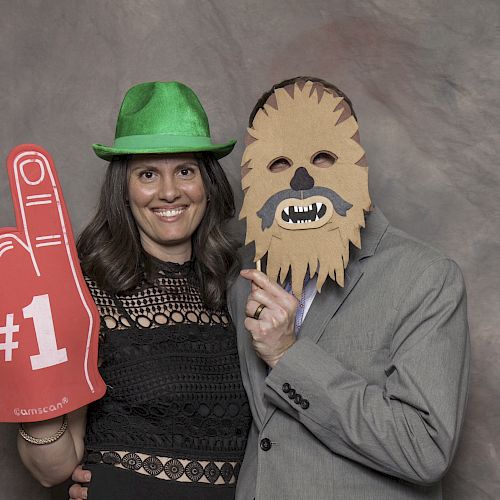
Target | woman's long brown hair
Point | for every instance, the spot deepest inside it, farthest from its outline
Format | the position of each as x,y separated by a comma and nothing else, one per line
110,249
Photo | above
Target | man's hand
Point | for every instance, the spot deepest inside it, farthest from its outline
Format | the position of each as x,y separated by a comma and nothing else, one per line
273,333
77,491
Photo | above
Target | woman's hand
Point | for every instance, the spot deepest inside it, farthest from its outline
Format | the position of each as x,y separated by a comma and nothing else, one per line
77,491
273,326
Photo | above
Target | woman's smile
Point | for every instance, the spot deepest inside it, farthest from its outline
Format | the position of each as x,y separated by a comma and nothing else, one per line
169,213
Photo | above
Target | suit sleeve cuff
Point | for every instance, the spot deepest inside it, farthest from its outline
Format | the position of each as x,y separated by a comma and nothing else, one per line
297,382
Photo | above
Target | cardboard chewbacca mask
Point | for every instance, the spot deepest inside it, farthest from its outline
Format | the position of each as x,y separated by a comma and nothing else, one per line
305,184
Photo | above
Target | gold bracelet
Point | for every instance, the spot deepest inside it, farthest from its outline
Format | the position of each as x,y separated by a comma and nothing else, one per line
46,440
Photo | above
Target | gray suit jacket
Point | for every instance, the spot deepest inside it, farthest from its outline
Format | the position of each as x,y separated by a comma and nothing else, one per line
381,367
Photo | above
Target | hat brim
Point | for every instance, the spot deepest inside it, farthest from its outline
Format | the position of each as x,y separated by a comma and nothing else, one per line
108,152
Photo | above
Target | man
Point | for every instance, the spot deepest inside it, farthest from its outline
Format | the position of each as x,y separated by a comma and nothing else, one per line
359,392
357,366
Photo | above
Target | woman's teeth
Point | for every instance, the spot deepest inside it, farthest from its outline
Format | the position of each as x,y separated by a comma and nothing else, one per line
169,213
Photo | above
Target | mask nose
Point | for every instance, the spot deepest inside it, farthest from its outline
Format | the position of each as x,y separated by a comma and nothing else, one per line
301,180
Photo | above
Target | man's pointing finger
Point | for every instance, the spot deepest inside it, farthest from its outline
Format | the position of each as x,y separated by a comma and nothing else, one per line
261,280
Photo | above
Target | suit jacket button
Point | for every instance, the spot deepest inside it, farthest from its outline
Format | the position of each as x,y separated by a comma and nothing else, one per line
291,393
265,444
286,387
305,404
298,399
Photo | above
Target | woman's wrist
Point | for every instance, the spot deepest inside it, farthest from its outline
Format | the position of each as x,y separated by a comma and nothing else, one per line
45,432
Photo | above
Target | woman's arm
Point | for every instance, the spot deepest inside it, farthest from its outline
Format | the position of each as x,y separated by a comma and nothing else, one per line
53,463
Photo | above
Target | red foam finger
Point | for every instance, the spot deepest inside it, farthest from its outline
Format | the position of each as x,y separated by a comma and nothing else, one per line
48,322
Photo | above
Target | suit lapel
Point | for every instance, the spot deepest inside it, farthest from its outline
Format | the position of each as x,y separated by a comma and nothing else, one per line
255,368
326,304
322,310
257,373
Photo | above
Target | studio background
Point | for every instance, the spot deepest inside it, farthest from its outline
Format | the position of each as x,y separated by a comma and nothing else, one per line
424,77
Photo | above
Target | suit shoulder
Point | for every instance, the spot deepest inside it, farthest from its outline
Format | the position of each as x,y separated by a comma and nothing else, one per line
407,256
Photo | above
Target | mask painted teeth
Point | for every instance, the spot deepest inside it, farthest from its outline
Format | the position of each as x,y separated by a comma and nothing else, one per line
302,215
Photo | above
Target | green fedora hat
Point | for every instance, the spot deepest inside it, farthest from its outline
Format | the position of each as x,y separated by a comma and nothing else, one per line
161,117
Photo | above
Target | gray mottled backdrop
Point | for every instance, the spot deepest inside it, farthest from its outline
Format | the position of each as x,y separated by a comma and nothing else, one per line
424,76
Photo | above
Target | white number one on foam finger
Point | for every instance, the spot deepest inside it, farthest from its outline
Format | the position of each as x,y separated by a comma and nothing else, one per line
49,355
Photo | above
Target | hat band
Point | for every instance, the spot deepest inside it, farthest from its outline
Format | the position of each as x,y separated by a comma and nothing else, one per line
160,141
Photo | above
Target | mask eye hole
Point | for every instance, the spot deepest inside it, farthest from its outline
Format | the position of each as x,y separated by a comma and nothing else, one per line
279,164
324,159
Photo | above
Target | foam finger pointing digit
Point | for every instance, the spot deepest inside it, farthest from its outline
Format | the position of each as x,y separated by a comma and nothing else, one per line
39,208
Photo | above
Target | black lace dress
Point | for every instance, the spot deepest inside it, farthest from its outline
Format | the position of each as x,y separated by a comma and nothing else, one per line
173,423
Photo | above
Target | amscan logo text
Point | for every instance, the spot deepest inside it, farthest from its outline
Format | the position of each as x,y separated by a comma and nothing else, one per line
26,412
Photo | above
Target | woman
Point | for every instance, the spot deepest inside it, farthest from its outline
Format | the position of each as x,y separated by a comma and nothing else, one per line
174,420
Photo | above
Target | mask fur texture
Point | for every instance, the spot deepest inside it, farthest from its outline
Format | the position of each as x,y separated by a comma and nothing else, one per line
298,128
